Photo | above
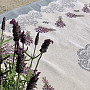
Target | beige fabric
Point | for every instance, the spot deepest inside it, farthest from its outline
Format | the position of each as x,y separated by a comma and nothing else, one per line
6,5
60,63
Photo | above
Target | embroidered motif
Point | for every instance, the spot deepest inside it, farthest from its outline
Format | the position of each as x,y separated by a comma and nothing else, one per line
41,29
60,23
59,5
84,57
86,8
71,15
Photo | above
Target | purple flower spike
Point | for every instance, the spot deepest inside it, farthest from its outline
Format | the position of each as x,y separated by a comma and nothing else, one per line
13,21
37,39
23,37
45,45
3,24
19,51
33,81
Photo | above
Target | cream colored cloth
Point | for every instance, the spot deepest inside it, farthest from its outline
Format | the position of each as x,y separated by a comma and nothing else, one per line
60,63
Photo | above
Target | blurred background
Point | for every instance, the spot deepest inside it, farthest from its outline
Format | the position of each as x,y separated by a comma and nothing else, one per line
6,5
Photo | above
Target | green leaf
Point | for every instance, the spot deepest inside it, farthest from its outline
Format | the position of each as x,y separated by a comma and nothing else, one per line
6,41
11,75
6,57
6,72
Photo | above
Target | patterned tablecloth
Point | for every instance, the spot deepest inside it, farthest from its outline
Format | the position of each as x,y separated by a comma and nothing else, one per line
67,62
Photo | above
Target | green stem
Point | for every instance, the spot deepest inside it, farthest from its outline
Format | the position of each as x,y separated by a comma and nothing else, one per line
38,62
29,71
34,51
37,55
14,55
23,46
17,86
1,87
27,54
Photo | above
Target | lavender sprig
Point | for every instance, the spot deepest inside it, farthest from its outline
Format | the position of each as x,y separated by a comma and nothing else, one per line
45,45
16,30
33,80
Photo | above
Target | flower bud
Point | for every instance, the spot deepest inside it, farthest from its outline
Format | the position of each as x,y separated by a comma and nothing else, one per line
37,39
33,80
23,37
45,45
3,24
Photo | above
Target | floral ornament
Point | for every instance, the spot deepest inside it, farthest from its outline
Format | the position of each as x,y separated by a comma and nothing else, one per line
41,29
86,9
71,15
59,23
29,39
59,5
84,57
46,85
76,10
45,22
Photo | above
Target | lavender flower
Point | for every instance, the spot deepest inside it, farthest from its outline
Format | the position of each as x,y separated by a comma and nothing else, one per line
86,9
20,60
59,23
7,49
46,85
71,15
45,45
29,40
33,80
41,29
26,70
1,78
16,30
37,39
23,37
3,24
